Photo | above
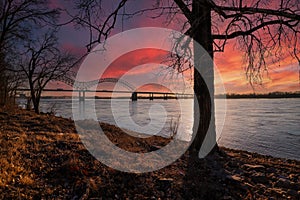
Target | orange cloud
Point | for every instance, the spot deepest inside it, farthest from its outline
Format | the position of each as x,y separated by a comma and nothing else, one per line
282,76
132,59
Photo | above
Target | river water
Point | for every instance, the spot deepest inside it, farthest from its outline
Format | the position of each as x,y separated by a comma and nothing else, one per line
265,126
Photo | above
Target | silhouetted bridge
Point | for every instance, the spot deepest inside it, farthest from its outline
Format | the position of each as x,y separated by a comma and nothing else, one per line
84,87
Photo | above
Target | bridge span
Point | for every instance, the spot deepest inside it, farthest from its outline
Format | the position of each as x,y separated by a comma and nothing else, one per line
151,95
84,87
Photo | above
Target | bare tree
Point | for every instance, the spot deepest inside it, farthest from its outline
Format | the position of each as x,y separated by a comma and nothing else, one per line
265,30
17,20
3,81
9,81
43,62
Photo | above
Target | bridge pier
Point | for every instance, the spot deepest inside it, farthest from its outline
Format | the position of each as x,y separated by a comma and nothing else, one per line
151,96
134,96
82,98
165,96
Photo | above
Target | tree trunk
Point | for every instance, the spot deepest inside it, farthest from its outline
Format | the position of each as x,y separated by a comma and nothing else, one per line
2,96
36,105
204,121
28,104
3,90
34,99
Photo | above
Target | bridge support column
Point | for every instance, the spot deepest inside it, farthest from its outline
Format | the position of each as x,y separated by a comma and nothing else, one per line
134,96
151,96
165,96
82,98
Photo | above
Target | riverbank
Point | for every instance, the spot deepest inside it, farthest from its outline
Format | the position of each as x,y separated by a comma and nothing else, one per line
41,156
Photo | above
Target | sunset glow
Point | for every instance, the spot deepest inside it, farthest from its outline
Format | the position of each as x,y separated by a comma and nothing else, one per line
283,76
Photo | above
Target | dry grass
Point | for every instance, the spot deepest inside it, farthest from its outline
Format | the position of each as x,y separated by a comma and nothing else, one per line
42,157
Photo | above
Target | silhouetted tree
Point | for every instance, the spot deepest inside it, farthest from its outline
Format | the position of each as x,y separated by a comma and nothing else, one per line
43,62
261,28
17,19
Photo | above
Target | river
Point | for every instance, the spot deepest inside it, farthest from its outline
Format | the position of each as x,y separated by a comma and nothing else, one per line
266,126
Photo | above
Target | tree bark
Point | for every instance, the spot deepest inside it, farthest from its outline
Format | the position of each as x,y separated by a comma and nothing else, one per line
35,102
203,77
34,97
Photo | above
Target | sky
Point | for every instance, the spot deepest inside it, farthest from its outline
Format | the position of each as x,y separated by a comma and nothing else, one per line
283,76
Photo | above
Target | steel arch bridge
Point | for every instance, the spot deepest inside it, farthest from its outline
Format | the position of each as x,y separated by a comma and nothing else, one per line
82,87
85,85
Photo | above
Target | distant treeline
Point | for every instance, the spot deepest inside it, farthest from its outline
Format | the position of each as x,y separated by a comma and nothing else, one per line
268,95
218,96
99,97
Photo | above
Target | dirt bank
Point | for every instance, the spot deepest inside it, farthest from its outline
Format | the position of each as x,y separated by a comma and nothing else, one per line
41,156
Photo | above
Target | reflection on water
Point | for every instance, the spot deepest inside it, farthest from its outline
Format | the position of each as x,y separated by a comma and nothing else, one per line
266,126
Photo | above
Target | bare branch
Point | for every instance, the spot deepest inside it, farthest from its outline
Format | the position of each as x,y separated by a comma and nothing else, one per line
42,62
253,10
250,31
185,10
